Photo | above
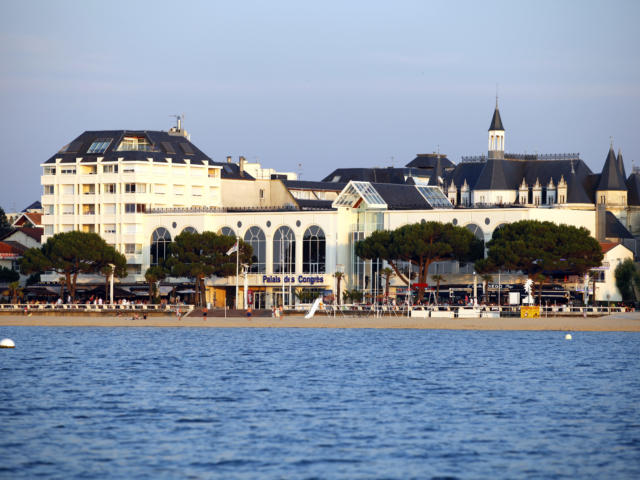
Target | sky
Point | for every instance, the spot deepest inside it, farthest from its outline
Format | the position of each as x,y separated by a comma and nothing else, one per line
314,86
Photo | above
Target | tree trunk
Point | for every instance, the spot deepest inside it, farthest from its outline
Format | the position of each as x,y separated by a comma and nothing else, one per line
338,292
386,286
398,273
540,283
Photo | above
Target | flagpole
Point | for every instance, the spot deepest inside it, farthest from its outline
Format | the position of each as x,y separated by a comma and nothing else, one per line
237,269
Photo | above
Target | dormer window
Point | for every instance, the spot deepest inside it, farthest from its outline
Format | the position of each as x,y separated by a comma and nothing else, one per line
99,145
139,144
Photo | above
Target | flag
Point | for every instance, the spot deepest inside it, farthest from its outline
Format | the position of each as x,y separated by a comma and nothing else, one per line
233,249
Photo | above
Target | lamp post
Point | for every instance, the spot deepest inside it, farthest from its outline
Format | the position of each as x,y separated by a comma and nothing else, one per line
475,289
113,269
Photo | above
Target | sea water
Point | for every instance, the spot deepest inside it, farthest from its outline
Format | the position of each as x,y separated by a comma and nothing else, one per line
288,403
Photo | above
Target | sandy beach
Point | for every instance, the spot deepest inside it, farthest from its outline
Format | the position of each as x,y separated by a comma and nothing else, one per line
621,322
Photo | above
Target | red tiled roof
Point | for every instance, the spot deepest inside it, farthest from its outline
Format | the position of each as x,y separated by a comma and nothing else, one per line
33,218
7,248
606,246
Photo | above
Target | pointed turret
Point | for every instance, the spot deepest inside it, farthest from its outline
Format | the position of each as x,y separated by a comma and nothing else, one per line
621,164
496,135
496,121
612,177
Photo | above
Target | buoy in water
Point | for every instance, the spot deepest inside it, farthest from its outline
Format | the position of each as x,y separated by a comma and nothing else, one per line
568,336
7,343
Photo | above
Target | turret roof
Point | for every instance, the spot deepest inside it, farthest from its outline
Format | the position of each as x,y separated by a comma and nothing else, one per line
611,178
496,121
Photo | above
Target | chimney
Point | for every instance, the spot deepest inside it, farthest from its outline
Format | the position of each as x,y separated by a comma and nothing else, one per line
241,165
228,159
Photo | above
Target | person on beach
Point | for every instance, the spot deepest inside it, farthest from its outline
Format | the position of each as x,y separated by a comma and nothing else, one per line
204,312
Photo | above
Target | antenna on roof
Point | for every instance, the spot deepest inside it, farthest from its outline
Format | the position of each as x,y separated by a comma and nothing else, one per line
178,130
178,118
572,169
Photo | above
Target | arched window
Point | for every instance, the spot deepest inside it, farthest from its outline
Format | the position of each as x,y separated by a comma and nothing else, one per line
314,248
189,229
227,231
284,251
160,240
255,237
476,230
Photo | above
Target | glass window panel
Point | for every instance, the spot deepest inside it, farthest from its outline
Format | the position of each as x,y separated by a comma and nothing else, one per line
256,238
284,250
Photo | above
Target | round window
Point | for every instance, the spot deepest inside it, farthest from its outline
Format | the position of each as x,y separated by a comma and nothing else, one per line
487,221
239,224
455,221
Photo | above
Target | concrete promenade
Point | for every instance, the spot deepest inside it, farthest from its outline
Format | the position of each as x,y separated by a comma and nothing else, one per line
619,322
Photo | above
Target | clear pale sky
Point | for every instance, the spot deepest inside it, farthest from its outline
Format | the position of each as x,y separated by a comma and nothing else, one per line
321,84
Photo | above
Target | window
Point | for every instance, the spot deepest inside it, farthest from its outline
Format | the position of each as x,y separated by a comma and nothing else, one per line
99,145
110,188
189,230
132,248
261,193
314,248
159,189
68,171
48,229
67,209
134,188
135,208
110,169
228,231
88,189
66,228
256,238
48,189
130,228
134,269
196,191
67,189
178,189
48,209
49,170
89,209
140,144
109,208
110,228
284,250
160,240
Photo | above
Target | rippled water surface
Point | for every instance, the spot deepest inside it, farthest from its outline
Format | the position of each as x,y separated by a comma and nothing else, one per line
287,403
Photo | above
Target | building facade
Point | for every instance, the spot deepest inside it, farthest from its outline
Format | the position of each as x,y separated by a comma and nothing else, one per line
140,189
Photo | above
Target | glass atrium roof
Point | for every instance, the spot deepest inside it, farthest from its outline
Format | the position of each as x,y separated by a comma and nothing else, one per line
355,191
434,196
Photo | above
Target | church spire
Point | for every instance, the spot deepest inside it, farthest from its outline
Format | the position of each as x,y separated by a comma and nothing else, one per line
496,135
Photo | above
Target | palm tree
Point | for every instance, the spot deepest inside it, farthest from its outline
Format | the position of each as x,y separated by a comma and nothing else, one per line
152,275
339,276
15,291
388,274
486,278
437,278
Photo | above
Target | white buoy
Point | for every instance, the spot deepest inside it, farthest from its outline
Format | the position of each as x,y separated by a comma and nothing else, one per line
7,343
568,336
